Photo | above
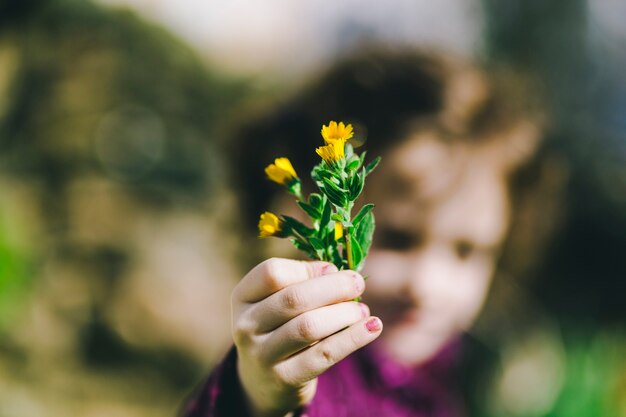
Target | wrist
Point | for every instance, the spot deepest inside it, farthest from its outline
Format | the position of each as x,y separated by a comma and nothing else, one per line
256,407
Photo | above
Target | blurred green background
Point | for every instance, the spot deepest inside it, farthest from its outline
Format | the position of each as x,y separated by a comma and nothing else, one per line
119,236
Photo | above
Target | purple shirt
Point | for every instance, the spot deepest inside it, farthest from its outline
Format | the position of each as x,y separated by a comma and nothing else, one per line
366,383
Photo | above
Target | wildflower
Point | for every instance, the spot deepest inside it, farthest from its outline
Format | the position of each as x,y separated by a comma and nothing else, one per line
269,225
340,178
336,132
338,230
281,171
332,152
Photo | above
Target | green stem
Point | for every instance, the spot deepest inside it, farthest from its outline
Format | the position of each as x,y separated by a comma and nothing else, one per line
349,250
295,188
347,237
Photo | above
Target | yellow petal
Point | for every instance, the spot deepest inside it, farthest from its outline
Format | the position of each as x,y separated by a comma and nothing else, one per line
269,224
332,152
281,171
338,230
285,165
337,132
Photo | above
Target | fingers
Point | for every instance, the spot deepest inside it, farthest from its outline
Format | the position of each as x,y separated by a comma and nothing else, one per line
301,297
275,274
313,361
311,327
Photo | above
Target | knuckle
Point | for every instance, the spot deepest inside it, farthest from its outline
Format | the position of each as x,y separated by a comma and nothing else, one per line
240,338
242,332
271,272
292,299
281,375
326,356
306,329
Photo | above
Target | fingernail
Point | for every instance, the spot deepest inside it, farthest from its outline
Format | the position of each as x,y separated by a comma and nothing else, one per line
365,311
329,269
373,325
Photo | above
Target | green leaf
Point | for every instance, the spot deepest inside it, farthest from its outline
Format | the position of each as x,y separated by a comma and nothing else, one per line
362,158
364,231
357,253
338,179
334,193
336,258
317,243
291,224
348,150
316,201
313,212
304,247
294,187
336,198
362,213
372,165
329,239
321,171
334,184
353,163
337,217
356,185
326,213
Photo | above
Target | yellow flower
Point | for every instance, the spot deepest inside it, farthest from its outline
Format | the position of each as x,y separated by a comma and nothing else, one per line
332,152
269,224
281,171
336,132
338,230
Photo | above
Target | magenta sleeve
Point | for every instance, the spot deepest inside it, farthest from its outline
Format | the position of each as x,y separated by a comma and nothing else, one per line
222,394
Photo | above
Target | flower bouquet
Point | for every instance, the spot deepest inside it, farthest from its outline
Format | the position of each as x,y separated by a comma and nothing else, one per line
333,235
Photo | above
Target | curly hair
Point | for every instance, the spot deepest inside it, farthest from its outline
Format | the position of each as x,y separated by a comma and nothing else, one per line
385,94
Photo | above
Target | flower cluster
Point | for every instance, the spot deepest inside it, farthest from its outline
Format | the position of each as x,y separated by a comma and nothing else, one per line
335,136
333,235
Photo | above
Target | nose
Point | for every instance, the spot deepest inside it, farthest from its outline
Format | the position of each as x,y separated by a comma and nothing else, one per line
429,271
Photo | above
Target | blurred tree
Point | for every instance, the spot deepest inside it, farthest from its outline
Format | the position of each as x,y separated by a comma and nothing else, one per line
110,130
90,86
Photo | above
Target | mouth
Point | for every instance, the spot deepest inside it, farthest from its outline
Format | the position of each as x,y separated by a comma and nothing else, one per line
410,317
403,317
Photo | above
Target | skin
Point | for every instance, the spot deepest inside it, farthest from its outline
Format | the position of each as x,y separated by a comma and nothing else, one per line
441,215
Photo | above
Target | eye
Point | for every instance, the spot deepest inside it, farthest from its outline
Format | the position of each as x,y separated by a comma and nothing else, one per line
399,240
464,249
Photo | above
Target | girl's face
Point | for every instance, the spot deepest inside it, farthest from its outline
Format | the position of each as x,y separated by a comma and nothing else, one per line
441,216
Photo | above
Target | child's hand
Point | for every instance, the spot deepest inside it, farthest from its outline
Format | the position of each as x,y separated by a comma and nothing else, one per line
292,320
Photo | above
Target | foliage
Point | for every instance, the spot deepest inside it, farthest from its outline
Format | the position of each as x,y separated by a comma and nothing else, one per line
595,383
14,280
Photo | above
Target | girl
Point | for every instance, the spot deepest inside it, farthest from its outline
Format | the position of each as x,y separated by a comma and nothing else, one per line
452,142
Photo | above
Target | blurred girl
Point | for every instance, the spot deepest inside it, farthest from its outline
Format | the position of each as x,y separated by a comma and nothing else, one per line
453,142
